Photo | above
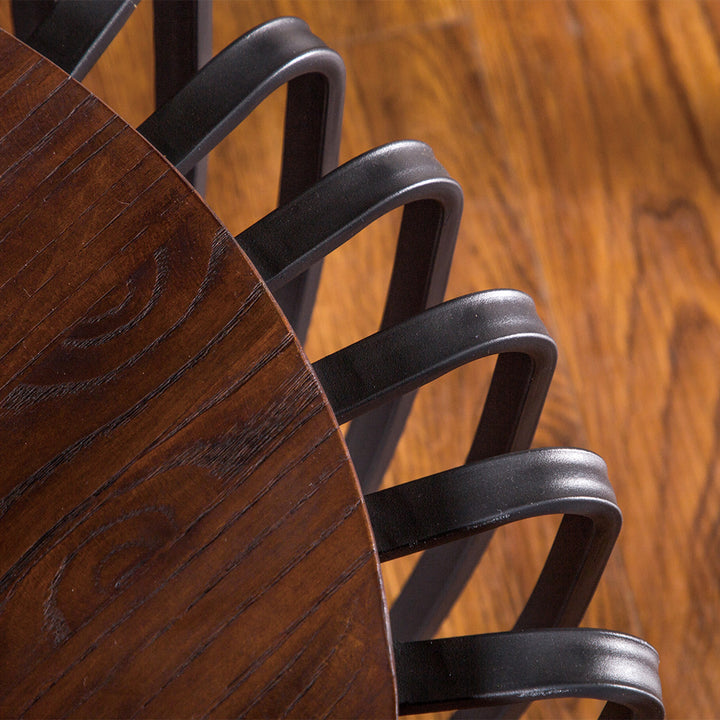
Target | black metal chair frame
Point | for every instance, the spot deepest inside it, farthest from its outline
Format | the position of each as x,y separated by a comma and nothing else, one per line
295,236
484,671
229,87
482,496
71,33
400,359
182,38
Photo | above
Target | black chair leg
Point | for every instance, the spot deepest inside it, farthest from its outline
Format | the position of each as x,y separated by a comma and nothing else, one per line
182,35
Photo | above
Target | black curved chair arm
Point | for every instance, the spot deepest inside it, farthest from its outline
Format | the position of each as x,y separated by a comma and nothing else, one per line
400,359
454,504
386,366
232,84
518,667
238,79
293,237
71,33
481,496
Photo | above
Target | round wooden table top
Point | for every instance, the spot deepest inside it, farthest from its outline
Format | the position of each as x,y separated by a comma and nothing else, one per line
181,531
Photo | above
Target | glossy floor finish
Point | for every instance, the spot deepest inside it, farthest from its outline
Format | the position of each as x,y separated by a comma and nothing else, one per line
587,139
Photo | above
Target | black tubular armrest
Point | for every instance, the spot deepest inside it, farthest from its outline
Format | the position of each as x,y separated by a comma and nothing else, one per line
295,236
518,667
484,495
72,33
399,359
232,85
291,239
229,87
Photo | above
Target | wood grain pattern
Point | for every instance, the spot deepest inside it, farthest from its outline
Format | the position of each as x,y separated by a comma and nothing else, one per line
585,135
181,531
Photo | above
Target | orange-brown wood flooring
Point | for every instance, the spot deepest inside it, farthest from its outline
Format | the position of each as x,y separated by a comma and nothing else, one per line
586,136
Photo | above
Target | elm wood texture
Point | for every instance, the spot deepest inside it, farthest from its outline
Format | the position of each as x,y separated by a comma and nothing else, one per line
181,529
585,137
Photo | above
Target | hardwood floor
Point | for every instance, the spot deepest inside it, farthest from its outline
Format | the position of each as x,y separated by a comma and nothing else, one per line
586,136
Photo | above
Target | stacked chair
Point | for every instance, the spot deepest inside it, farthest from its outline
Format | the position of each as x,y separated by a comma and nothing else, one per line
449,517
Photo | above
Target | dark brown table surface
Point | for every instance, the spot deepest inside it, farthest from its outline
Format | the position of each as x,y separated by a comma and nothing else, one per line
181,532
